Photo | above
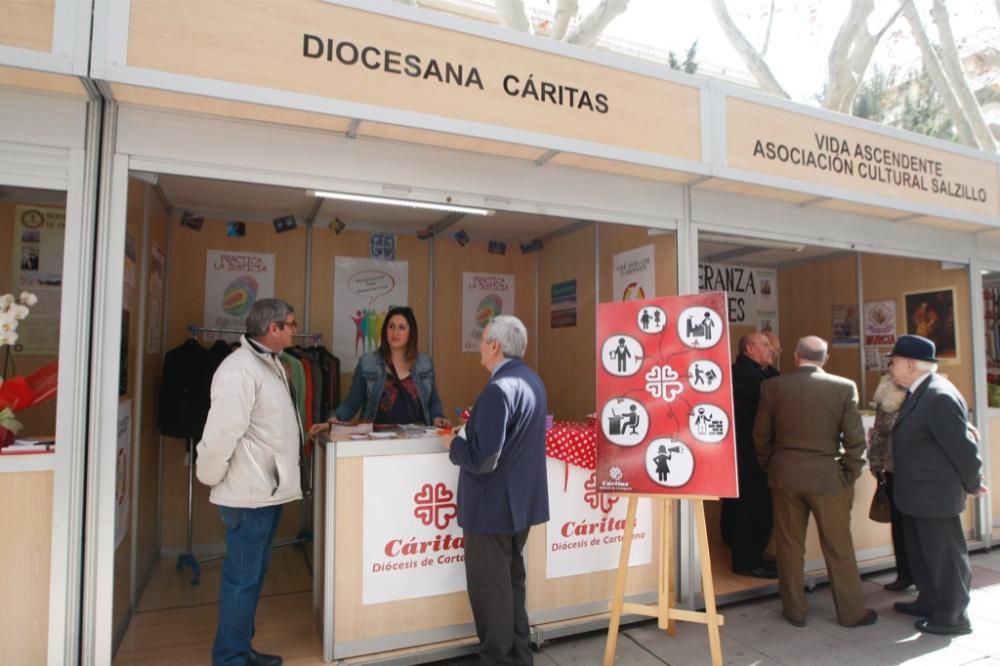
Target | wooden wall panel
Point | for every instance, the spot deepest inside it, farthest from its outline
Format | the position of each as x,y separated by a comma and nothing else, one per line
25,552
888,278
566,357
123,553
460,377
152,362
327,246
616,238
806,296
28,25
186,257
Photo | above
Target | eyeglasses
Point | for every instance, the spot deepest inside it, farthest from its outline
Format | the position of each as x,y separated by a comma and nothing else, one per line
282,324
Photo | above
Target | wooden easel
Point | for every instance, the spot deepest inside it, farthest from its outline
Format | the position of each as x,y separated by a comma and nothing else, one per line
663,610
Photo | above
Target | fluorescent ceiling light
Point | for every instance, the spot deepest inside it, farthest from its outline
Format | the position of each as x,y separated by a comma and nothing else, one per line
751,242
406,203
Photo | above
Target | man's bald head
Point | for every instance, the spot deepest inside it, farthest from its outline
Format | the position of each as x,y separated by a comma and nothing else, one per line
756,347
811,350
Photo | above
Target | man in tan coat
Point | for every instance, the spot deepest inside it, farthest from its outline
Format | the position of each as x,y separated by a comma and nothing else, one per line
809,440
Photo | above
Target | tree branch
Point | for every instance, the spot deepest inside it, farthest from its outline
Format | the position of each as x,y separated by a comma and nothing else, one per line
753,60
767,35
565,10
512,14
938,78
591,27
953,69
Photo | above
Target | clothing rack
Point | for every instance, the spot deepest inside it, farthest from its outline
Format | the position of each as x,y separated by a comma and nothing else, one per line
198,330
187,558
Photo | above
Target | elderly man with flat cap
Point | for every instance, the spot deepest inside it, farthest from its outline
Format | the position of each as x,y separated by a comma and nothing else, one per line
937,465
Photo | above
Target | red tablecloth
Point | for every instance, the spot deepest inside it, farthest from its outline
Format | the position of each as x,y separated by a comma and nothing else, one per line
573,443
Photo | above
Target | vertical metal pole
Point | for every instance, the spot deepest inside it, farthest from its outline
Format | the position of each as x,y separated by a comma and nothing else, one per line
190,513
307,296
980,387
860,272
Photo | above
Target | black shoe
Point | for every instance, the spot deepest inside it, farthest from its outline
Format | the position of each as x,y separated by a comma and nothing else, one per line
931,627
795,623
870,618
757,572
261,659
898,585
768,565
911,608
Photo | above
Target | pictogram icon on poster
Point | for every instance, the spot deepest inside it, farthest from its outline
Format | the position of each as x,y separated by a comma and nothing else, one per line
624,421
621,355
704,376
669,462
663,382
699,327
651,319
708,423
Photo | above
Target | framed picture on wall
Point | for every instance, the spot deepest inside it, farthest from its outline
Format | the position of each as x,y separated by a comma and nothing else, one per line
932,315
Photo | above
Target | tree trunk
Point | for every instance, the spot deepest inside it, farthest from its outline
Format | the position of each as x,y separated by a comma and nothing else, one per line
512,14
938,78
591,27
565,11
953,68
850,55
753,60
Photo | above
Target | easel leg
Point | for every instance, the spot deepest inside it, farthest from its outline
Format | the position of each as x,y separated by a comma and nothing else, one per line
619,599
666,592
708,585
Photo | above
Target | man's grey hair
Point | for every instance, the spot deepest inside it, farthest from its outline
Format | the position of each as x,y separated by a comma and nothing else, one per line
510,333
263,313
812,348
924,367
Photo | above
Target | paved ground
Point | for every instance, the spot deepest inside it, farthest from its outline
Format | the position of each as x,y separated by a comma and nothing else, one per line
756,634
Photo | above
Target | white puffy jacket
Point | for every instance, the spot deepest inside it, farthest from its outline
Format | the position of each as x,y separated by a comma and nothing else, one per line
249,452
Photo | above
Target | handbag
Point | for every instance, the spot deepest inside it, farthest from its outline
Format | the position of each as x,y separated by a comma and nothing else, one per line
881,508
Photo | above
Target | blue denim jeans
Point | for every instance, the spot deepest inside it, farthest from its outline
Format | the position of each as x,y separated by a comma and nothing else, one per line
249,533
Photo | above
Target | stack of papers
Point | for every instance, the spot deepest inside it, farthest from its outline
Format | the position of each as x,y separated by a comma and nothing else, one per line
30,445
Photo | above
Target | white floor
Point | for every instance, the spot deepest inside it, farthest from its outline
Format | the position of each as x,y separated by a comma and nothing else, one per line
756,634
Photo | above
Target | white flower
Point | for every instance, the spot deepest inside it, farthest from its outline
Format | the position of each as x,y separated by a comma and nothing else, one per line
6,300
8,338
27,298
19,311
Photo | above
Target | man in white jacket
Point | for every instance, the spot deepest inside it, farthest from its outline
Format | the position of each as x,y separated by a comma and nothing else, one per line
249,455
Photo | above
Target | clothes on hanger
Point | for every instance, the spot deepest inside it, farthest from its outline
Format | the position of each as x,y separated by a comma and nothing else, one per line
185,390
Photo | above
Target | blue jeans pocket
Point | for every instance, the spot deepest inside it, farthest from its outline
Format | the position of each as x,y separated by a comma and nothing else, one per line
231,517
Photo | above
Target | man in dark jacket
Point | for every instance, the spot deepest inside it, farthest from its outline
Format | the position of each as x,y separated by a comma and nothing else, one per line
937,465
502,491
747,520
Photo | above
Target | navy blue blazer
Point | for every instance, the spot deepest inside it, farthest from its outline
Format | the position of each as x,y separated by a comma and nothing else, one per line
502,485
936,459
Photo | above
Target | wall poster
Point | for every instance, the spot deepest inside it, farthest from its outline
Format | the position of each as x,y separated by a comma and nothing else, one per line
413,546
880,324
563,305
634,274
234,281
122,465
37,248
664,397
363,291
932,315
846,331
154,326
751,293
484,296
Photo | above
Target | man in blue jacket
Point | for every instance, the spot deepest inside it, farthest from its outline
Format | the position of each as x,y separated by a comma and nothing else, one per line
502,491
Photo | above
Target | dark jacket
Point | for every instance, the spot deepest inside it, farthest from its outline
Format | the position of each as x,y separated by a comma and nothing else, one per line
185,390
937,460
502,485
369,381
748,375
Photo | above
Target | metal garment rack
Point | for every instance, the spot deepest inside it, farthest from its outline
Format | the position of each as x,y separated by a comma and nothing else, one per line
187,558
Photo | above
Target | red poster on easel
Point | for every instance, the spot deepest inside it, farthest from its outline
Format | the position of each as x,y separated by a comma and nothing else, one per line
665,397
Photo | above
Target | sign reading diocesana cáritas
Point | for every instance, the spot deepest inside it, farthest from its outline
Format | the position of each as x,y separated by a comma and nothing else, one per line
665,397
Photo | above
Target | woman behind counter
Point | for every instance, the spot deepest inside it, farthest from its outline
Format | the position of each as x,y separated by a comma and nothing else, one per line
394,384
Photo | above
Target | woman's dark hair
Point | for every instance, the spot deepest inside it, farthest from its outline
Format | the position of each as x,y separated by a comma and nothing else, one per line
411,344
